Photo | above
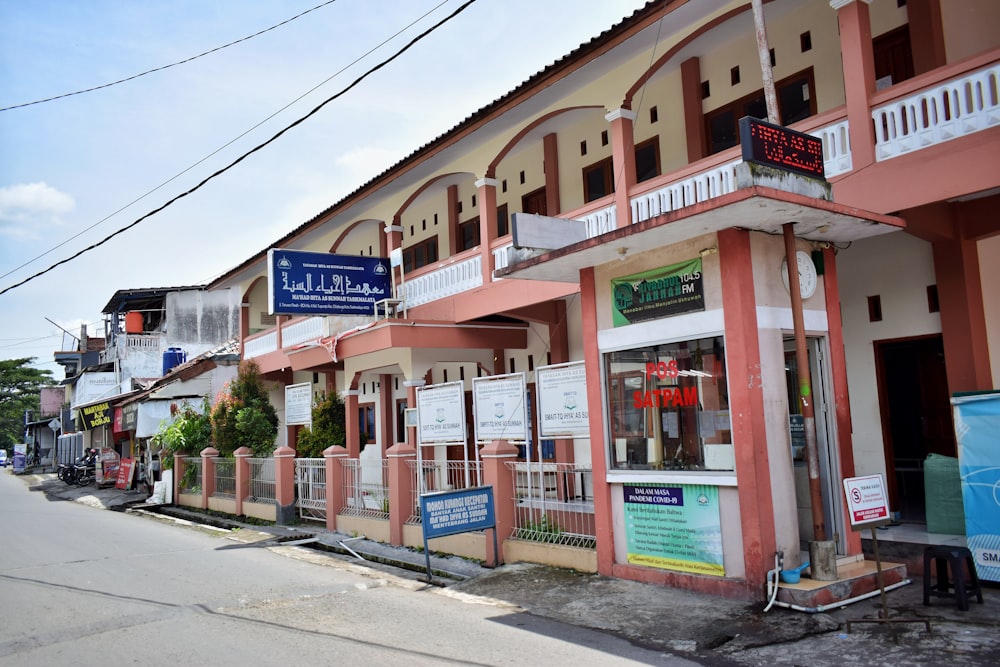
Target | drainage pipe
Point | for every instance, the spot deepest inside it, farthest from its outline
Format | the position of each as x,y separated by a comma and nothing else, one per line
834,605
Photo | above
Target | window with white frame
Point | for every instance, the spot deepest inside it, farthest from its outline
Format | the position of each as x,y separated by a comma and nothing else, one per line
669,406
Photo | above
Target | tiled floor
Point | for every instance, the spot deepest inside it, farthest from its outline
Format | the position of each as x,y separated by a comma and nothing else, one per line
916,533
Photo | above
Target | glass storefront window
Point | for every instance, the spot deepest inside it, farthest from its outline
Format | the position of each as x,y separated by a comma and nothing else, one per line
669,407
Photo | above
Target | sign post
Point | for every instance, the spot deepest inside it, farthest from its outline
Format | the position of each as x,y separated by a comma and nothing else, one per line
868,506
452,512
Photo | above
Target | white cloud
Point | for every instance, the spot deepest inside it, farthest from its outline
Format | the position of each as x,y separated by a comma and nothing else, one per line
31,203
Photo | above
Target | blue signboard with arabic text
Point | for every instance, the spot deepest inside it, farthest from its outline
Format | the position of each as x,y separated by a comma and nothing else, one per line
320,283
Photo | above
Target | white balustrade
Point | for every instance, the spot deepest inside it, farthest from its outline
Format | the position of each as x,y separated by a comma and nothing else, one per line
303,331
601,221
500,257
955,108
700,187
446,281
836,148
255,347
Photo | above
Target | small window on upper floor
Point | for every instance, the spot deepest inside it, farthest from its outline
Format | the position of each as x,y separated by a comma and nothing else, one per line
468,234
796,100
535,202
503,221
647,160
598,180
420,254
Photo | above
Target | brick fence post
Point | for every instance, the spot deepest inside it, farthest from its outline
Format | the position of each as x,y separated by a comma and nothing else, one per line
208,457
334,456
496,474
284,485
178,473
400,489
242,455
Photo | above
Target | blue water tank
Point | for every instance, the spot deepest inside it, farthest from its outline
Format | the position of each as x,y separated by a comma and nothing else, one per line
174,356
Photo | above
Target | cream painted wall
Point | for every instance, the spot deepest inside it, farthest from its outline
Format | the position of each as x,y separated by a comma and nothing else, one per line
886,15
784,26
989,273
970,26
877,266
526,158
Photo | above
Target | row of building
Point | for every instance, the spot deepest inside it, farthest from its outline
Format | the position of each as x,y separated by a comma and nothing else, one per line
614,217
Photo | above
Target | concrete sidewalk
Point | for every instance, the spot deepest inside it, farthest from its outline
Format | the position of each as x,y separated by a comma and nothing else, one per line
708,629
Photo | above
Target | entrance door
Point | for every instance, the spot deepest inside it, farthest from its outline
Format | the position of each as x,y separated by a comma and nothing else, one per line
916,417
829,465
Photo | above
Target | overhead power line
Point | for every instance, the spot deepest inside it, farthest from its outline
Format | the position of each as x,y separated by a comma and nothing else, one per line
222,147
253,150
160,69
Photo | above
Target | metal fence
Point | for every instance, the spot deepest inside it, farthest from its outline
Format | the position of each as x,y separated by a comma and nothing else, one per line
441,476
261,481
310,481
225,478
191,479
365,488
554,503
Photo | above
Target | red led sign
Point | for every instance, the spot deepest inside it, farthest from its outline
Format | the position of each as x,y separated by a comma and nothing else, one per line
776,146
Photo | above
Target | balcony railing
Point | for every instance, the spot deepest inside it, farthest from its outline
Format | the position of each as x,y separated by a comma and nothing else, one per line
446,281
303,331
938,111
955,108
126,343
260,345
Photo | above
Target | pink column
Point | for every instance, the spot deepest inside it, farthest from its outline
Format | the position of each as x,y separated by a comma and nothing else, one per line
623,158
334,456
859,77
352,427
486,198
400,489
208,456
178,473
284,484
242,455
496,474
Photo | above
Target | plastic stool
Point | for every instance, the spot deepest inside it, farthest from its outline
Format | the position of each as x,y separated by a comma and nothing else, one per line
963,571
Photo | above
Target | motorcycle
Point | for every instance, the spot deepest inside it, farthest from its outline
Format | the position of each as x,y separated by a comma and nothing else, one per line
67,471
85,472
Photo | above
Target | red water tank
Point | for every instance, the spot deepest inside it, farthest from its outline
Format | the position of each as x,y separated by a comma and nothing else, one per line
133,322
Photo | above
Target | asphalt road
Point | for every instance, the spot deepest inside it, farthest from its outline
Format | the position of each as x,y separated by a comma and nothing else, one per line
81,586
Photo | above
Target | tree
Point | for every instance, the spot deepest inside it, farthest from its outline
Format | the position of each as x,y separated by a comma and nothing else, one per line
190,431
328,427
20,384
243,415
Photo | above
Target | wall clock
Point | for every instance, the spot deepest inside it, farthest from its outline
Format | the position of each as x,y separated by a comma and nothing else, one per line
807,274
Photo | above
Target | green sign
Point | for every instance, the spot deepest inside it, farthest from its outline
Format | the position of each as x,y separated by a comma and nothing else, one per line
674,527
650,295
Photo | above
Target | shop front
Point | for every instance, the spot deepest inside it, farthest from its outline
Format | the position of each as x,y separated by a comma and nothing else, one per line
690,323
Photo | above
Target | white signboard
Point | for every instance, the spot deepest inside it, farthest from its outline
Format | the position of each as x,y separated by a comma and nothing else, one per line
500,408
441,414
562,401
866,500
298,404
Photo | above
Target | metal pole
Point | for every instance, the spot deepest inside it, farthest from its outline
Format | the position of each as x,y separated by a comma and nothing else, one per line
805,386
764,53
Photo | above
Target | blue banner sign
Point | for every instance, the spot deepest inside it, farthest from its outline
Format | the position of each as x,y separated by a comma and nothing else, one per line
320,283
451,512
977,422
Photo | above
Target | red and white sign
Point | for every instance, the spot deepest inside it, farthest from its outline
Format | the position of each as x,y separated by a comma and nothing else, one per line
866,499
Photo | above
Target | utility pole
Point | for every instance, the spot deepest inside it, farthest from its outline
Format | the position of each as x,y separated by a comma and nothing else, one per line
822,553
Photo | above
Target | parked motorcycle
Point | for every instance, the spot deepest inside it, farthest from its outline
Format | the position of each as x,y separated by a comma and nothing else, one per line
67,471
85,471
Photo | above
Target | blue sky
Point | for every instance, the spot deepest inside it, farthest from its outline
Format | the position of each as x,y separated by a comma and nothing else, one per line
68,164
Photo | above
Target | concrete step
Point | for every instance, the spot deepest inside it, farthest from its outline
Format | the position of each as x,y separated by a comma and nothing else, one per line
855,578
